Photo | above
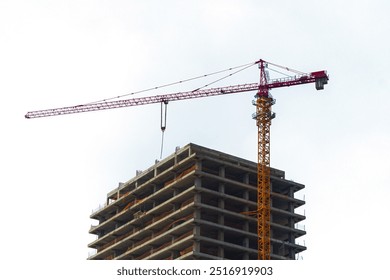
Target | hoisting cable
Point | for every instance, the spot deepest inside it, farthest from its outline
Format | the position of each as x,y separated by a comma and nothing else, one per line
164,106
179,82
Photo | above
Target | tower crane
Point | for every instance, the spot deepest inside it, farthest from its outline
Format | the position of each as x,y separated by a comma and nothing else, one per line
263,117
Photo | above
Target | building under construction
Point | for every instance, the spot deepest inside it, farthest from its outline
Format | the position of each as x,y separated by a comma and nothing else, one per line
197,203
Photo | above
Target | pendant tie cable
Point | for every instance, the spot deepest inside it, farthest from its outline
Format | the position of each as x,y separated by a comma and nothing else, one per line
285,68
297,72
227,76
243,67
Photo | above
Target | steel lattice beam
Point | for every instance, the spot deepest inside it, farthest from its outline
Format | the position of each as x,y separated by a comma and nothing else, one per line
264,115
142,101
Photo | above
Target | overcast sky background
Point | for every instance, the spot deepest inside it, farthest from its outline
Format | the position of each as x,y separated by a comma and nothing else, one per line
55,170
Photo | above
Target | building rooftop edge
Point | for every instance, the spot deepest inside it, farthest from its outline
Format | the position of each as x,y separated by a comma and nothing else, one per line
201,149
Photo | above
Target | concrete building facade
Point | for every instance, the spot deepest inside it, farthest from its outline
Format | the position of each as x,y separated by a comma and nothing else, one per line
195,204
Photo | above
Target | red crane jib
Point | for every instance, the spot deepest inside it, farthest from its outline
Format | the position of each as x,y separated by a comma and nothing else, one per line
319,77
142,101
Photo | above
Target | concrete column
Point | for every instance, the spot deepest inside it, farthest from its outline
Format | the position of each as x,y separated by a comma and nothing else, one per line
245,242
196,246
245,227
198,182
245,178
221,200
197,214
221,189
198,165
197,198
291,222
221,252
221,218
245,195
291,253
271,189
222,171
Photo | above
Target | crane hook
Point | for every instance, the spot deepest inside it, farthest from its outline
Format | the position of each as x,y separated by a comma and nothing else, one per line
164,106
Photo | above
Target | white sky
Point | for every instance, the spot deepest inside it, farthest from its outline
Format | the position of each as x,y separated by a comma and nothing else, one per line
54,171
